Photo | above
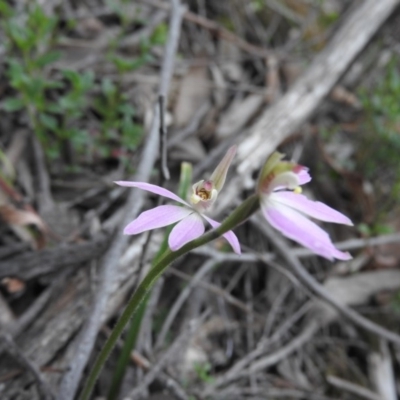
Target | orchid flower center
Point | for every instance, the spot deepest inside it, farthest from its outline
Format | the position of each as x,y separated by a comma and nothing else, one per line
204,193
277,180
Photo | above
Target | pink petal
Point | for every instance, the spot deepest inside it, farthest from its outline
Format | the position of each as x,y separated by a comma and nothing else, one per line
153,189
303,176
300,229
314,209
229,236
157,218
188,229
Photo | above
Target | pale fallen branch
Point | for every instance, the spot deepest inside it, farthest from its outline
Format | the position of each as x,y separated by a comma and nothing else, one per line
302,99
353,388
382,373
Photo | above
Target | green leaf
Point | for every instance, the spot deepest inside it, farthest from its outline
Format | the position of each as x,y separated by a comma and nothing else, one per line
47,58
132,134
159,35
66,103
108,87
20,37
13,104
52,152
6,10
126,109
52,84
87,80
49,121
54,108
72,76
79,137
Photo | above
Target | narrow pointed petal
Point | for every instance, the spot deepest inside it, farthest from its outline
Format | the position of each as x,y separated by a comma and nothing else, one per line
229,236
185,231
219,175
314,209
157,218
303,176
300,229
153,189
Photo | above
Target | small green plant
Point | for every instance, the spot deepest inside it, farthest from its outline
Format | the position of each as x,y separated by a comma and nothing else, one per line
379,147
117,117
327,19
30,37
395,302
56,107
374,229
203,371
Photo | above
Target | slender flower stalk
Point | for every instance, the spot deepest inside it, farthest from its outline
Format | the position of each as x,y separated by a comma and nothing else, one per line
190,215
238,216
286,209
136,321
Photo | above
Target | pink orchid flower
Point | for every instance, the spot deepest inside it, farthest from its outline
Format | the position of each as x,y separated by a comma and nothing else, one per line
189,217
286,209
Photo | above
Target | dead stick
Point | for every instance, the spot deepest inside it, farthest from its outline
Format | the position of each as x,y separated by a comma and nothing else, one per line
163,140
280,120
13,350
351,387
217,29
316,288
167,357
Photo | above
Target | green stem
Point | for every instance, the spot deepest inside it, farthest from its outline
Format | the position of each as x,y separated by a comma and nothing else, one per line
134,329
130,341
243,212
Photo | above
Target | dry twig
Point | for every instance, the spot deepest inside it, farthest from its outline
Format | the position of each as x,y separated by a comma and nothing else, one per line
173,312
319,290
217,29
12,349
353,388
165,358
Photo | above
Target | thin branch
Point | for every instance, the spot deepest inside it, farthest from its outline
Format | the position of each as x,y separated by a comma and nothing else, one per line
13,350
218,291
351,244
191,128
163,378
216,29
44,197
84,347
237,370
163,140
40,303
267,361
309,282
173,312
166,357
352,388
